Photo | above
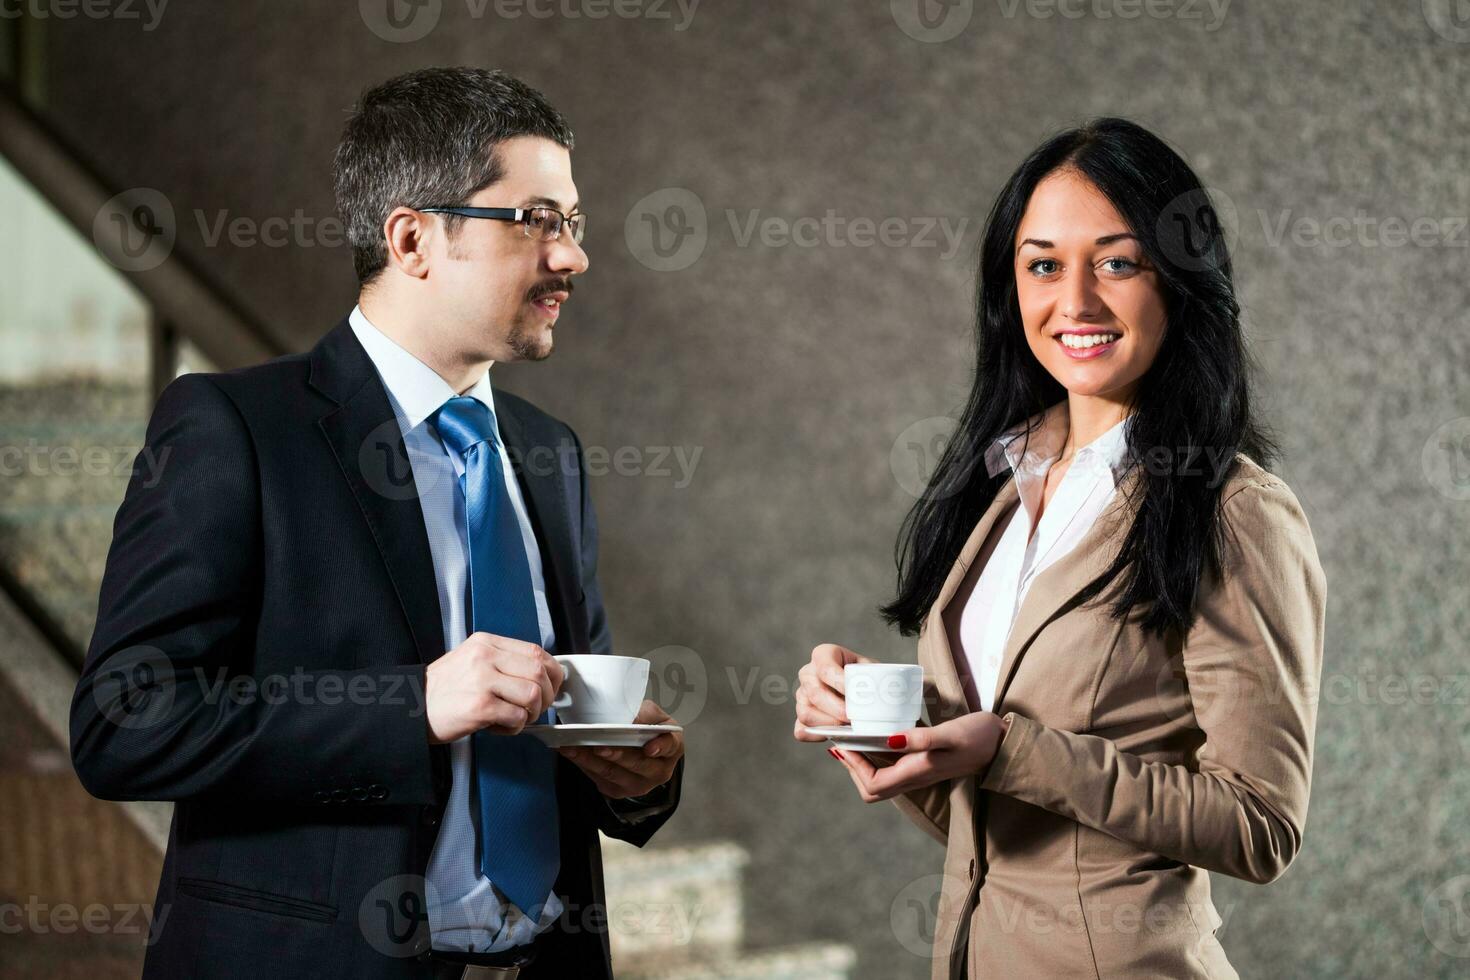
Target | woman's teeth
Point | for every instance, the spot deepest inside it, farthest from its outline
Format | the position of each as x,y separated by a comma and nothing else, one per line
1078,341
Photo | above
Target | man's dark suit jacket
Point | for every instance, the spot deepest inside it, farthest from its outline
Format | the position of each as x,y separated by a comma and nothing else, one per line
266,615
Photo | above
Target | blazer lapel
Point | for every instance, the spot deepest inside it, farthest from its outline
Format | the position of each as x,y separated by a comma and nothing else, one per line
951,694
548,509
364,435
1055,590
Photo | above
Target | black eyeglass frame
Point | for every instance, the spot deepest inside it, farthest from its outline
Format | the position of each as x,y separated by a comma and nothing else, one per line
522,215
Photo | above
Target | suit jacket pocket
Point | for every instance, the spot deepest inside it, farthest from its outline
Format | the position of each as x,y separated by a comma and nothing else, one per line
249,898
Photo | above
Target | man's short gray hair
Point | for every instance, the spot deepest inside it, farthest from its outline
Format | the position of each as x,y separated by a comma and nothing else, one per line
428,138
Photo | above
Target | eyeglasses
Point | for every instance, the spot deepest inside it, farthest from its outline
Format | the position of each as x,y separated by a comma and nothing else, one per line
544,224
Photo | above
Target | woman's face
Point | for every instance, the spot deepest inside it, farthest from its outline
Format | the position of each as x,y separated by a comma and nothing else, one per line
1091,306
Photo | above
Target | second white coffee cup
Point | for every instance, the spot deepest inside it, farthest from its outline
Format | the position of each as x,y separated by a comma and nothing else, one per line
883,699
600,689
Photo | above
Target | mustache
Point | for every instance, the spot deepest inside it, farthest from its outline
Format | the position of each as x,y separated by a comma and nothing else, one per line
560,285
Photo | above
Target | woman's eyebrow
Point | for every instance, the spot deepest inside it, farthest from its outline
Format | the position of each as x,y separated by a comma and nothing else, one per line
1104,240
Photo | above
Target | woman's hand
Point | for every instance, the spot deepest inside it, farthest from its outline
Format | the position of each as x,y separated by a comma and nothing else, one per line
820,698
962,747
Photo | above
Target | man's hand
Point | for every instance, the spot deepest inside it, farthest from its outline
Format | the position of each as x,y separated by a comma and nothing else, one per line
820,697
489,682
961,747
619,773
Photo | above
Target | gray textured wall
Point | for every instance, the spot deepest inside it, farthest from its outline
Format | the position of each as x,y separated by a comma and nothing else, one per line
794,369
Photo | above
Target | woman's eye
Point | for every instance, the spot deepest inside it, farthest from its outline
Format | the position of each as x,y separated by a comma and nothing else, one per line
1119,266
1043,267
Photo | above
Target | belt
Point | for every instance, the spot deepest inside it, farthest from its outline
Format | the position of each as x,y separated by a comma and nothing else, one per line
478,966
468,971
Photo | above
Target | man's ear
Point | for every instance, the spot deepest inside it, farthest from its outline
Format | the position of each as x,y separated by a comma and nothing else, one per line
408,233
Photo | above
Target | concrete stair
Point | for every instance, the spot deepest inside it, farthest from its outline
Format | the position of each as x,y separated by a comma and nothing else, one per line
65,460
677,913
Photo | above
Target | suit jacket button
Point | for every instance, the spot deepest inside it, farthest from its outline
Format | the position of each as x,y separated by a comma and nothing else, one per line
339,796
359,794
377,792
322,796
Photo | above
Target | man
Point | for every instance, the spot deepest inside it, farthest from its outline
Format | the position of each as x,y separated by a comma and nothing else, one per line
270,645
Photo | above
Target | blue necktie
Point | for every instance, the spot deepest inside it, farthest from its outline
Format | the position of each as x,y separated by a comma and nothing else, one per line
515,774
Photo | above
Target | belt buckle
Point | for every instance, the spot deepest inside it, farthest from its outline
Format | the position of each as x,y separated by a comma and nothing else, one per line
472,972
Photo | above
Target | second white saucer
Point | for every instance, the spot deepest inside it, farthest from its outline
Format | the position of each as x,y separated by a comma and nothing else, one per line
844,737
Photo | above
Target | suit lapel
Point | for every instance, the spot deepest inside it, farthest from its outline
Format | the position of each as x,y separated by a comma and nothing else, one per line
364,436
951,692
1055,590
950,702
543,490
1050,595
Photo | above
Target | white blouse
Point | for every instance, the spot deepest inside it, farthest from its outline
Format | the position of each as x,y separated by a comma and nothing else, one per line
1019,555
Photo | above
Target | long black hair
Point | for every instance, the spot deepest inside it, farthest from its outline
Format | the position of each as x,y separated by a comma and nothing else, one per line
1190,413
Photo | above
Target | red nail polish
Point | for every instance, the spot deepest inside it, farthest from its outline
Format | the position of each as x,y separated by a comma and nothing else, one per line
898,741
833,754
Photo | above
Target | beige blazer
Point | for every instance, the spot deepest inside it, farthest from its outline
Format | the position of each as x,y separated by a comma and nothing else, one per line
1133,765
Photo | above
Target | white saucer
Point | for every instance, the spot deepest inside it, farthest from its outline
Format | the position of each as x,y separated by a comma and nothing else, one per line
843,737
626,736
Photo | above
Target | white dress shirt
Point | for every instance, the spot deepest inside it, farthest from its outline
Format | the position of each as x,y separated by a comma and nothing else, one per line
1019,556
466,911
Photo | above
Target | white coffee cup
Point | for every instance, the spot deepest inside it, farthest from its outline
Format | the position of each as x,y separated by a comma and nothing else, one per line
600,689
883,699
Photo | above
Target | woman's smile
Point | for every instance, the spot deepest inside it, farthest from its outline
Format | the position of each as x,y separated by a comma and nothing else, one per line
1085,346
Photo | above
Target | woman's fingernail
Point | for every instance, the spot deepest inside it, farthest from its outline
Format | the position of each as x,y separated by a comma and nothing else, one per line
898,741
833,754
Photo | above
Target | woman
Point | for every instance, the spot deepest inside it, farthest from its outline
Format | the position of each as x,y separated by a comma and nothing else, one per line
1119,609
